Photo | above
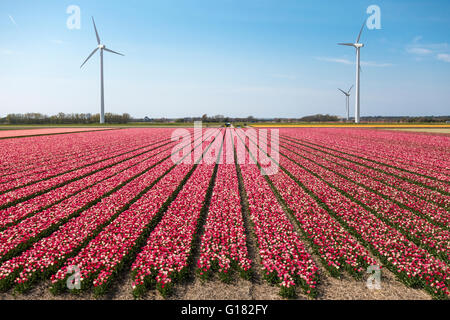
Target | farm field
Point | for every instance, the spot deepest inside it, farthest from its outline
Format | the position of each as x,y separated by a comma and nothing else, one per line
37,132
393,126
135,214
429,130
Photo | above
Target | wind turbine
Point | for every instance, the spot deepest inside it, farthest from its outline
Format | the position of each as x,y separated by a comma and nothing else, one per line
347,98
102,48
358,47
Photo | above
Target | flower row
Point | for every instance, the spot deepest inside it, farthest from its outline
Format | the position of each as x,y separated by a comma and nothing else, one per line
407,173
165,257
72,163
223,244
337,249
284,258
46,255
12,215
103,256
44,186
38,154
118,243
418,153
407,190
431,236
413,265
19,235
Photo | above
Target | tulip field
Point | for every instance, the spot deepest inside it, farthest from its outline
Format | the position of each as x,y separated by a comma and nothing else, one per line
141,209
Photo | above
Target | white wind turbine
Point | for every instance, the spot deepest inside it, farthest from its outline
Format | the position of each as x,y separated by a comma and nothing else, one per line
347,98
102,48
358,46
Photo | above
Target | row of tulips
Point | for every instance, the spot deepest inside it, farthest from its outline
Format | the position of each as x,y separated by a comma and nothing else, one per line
418,153
72,164
406,190
50,178
413,265
284,258
417,150
109,252
427,210
106,255
223,245
39,170
47,255
336,247
431,211
19,236
22,194
403,173
169,248
39,154
433,238
25,154
14,214
20,173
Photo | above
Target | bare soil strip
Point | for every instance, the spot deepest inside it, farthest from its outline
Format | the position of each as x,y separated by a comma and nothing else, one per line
424,130
8,134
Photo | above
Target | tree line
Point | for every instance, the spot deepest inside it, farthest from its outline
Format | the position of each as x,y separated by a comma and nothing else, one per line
400,119
64,118
250,119
87,118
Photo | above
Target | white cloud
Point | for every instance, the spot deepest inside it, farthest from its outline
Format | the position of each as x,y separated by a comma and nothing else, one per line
363,63
375,64
337,60
443,57
419,51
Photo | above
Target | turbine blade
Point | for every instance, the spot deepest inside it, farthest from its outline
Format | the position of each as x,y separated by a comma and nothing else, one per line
342,91
96,32
346,44
89,57
362,28
109,50
350,89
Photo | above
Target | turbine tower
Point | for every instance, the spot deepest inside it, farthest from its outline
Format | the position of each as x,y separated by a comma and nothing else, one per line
102,48
358,47
347,100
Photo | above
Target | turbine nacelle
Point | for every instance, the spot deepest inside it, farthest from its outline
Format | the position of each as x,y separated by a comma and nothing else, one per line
101,46
355,45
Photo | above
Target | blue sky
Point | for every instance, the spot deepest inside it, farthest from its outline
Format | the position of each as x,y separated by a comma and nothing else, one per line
233,57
